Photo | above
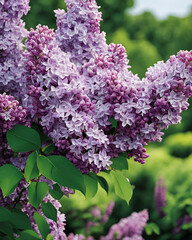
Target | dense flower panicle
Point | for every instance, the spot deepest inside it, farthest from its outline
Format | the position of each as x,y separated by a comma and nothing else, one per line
74,96
57,98
79,30
12,32
160,196
129,228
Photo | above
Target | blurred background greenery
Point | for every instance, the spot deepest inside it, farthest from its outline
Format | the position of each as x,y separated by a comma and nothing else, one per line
147,40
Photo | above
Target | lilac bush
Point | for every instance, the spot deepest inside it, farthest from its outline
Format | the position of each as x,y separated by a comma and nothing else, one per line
80,92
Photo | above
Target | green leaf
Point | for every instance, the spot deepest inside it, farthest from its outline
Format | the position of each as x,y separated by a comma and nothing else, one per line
120,162
122,186
62,171
20,220
31,169
49,237
186,226
56,192
103,183
29,235
42,224
10,176
23,139
36,192
45,166
6,228
48,149
49,211
91,186
152,228
189,210
5,214
113,122
101,180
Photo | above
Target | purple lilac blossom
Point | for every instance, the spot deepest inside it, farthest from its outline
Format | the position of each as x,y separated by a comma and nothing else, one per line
73,94
107,213
11,113
75,83
128,228
76,237
56,228
96,212
182,220
142,107
78,30
57,100
20,196
12,32
160,197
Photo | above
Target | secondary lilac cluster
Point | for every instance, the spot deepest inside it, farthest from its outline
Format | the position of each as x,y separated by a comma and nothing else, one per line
160,197
108,212
99,219
11,113
182,220
12,32
128,228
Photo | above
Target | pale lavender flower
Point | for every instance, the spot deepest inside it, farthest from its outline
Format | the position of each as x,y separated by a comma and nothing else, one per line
12,32
11,113
79,30
128,228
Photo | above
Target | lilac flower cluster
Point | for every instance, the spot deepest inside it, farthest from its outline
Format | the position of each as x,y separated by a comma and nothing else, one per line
12,32
74,85
108,212
101,219
79,30
74,94
57,100
182,220
20,196
79,83
56,228
128,228
11,113
160,197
